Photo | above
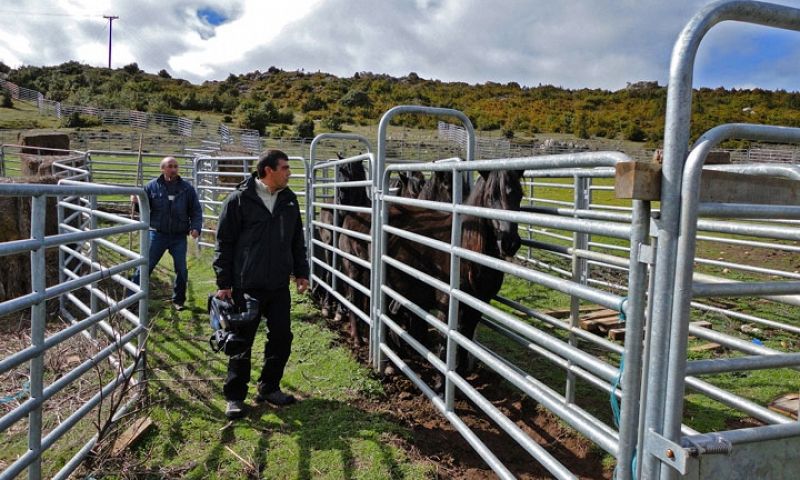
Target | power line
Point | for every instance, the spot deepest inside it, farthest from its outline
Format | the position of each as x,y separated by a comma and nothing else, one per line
47,14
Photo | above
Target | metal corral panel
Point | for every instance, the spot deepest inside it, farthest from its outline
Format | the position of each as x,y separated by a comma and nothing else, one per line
771,459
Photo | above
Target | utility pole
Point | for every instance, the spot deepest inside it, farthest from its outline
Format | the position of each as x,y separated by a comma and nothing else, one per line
110,18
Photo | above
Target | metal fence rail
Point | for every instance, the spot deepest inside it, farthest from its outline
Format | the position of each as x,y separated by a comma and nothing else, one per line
84,272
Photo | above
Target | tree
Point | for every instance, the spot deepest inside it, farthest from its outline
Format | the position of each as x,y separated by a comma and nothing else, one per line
164,74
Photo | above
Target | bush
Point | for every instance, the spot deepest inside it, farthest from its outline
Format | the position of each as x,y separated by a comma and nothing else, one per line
635,133
164,74
76,120
305,129
333,122
131,68
6,101
313,103
355,98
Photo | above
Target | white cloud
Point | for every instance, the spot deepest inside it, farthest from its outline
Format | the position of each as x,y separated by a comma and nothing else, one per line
572,43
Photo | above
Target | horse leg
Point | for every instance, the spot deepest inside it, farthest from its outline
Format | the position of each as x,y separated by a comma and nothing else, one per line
467,325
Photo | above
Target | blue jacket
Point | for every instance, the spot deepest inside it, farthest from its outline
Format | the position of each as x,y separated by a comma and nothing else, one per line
177,216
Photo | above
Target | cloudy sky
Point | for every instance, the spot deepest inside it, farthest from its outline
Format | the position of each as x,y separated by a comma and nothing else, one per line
568,43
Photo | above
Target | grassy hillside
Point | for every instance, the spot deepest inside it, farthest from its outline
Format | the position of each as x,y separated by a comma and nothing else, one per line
277,101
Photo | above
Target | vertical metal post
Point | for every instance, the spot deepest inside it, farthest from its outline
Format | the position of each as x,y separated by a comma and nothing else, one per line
633,309
93,300
38,318
580,241
144,284
455,284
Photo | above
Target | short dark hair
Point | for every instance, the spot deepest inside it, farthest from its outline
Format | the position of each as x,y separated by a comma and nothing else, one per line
269,158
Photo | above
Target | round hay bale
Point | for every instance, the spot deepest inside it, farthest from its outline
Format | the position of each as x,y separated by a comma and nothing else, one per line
15,224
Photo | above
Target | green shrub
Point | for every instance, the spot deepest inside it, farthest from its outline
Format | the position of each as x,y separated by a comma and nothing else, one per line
6,101
333,122
76,120
305,129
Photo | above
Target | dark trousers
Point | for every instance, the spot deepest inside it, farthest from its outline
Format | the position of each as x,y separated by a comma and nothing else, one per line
275,306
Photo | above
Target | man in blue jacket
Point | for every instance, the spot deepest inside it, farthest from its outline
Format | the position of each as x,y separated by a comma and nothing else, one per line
260,244
175,212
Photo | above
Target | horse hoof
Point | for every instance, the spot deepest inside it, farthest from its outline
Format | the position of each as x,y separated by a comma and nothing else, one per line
389,371
325,312
337,317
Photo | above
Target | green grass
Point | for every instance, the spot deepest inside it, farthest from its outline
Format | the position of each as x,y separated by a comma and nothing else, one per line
24,115
325,435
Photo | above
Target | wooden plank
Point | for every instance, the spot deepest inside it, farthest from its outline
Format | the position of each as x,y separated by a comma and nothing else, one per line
565,312
706,347
606,312
638,180
787,404
730,187
703,324
131,435
617,334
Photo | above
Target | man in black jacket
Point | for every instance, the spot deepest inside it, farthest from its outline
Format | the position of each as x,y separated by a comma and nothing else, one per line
260,244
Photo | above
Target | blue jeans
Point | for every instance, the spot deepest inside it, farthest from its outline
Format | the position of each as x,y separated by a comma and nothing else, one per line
176,244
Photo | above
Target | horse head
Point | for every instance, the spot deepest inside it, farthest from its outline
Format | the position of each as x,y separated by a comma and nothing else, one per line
440,187
500,190
356,196
410,184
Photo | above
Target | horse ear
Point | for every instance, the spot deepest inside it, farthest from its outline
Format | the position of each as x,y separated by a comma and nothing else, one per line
339,155
403,177
484,174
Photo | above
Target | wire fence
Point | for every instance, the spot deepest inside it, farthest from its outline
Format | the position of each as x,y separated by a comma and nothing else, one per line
171,124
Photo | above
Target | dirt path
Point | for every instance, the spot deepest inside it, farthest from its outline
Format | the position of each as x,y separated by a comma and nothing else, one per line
436,440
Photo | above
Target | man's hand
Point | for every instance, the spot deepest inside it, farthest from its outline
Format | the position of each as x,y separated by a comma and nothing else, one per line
194,234
224,294
302,284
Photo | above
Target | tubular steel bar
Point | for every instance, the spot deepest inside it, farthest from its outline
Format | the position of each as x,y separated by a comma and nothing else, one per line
676,141
80,193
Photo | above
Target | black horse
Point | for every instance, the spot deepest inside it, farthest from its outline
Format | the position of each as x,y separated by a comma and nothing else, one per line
499,190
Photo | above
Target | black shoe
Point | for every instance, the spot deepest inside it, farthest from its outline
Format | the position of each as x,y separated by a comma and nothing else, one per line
235,409
276,397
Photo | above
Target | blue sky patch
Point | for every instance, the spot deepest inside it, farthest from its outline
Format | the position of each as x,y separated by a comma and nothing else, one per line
211,16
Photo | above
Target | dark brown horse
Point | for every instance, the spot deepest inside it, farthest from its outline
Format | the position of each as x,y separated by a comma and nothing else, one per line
499,190
349,196
408,185
349,244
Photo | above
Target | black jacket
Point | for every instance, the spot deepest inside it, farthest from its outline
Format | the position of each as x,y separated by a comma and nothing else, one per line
257,249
